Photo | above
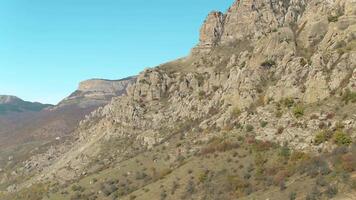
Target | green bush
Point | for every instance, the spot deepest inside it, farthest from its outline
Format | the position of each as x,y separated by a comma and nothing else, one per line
249,128
284,152
77,188
333,18
263,124
201,94
236,112
298,111
293,196
287,102
322,137
349,96
341,138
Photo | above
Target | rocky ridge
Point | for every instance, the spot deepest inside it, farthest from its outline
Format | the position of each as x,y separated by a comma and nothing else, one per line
96,92
280,70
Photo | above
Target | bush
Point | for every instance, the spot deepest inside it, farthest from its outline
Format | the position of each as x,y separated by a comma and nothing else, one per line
298,111
108,189
349,96
236,112
280,130
268,63
263,124
76,188
288,102
341,138
201,94
322,137
331,191
293,196
333,18
190,189
249,128
284,152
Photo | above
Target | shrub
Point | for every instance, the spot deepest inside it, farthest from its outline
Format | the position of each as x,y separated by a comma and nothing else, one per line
249,128
163,195
190,189
298,111
341,138
268,63
236,112
280,130
263,124
108,189
288,102
331,191
321,181
201,94
279,113
322,137
293,196
349,96
333,18
284,152
76,188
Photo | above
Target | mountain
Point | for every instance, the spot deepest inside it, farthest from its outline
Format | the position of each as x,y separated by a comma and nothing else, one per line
12,104
262,108
96,92
29,128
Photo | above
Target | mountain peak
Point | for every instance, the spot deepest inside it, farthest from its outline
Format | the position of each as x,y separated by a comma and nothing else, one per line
9,99
13,104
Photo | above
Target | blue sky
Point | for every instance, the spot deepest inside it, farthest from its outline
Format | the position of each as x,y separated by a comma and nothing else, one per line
48,46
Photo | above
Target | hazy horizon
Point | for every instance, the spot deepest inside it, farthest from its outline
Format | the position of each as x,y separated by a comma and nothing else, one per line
48,47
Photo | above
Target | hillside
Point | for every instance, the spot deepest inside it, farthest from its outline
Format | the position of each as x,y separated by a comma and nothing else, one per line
262,107
28,130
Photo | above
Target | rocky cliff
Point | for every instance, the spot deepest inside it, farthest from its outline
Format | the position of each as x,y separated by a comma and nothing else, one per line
282,71
96,92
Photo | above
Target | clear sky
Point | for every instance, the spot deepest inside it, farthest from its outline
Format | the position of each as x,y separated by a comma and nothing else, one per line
48,46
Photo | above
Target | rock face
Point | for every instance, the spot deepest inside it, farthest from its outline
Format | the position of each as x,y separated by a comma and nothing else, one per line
288,63
212,30
96,92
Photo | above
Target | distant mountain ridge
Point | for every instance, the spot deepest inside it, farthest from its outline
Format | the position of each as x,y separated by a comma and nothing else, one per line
12,104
